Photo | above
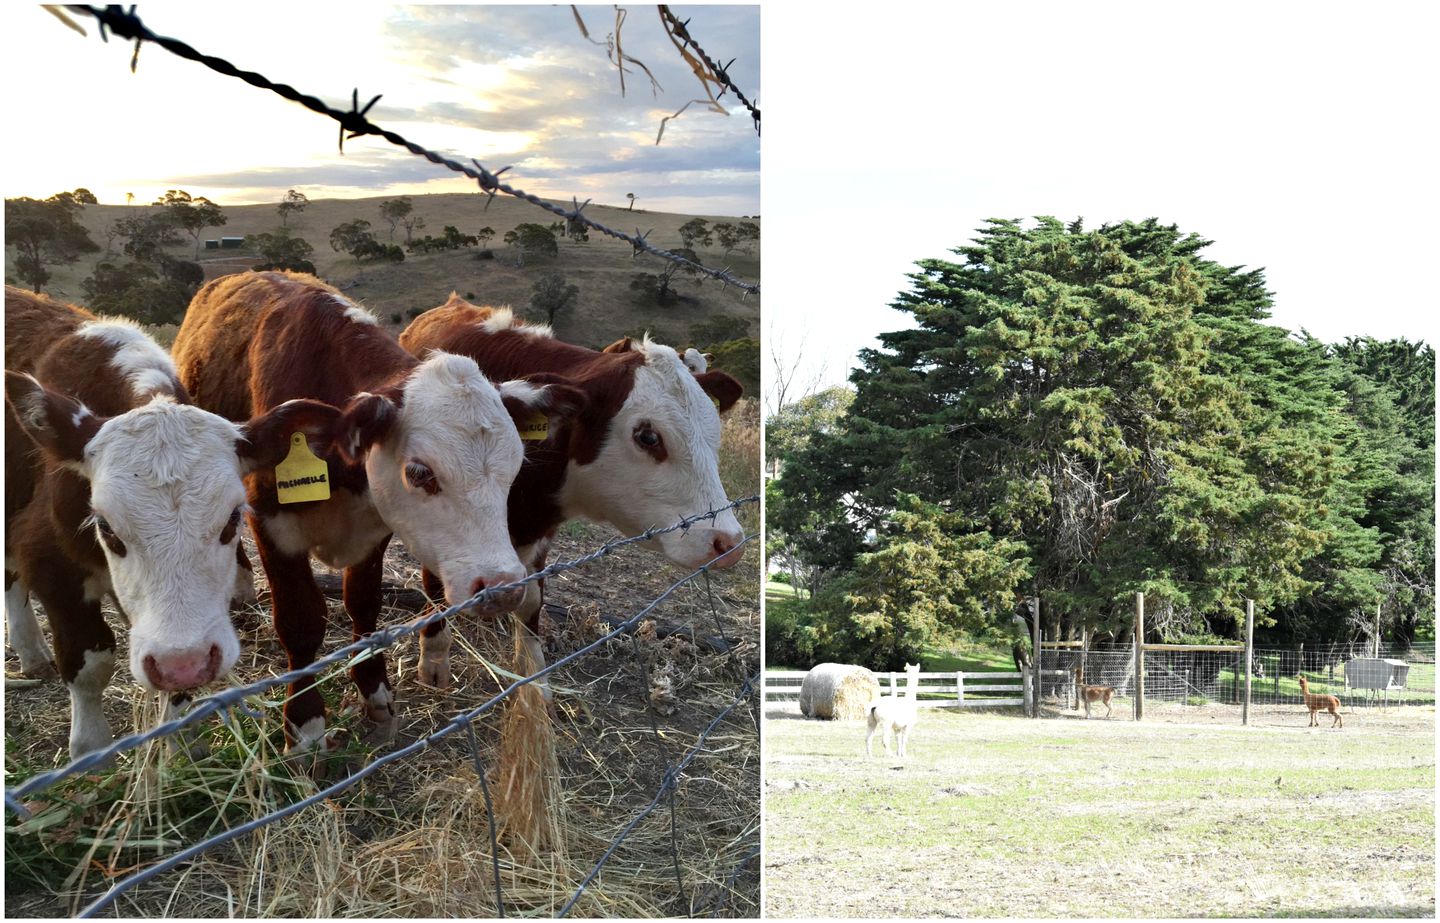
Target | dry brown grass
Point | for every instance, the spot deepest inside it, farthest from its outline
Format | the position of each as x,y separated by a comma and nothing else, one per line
413,839
601,267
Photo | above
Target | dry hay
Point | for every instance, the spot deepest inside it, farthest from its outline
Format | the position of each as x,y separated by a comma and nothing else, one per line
838,691
414,839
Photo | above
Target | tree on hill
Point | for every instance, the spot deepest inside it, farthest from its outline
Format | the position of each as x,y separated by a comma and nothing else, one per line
695,232
292,204
392,210
631,197
733,237
551,295
351,237
485,235
531,239
146,235
411,224
281,251
44,233
191,215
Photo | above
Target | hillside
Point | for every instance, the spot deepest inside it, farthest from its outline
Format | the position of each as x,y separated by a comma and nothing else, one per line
602,267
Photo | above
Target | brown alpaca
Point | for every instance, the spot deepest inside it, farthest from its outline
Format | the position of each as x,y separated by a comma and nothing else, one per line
1316,702
1088,694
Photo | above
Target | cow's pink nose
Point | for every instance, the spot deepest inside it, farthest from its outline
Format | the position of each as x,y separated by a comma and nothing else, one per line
182,670
496,603
727,550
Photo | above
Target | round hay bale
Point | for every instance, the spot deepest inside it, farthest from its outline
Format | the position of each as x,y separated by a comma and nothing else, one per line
838,691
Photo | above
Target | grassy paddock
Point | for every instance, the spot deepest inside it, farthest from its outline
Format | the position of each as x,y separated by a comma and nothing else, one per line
994,815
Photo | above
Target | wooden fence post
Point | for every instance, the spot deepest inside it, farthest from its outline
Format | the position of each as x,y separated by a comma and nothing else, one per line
1139,656
1249,654
960,687
1038,658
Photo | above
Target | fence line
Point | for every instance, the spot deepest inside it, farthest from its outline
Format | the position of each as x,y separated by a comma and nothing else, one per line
354,124
385,637
234,698
784,685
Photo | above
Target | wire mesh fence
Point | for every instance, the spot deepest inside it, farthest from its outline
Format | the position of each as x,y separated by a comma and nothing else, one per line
1210,677
236,705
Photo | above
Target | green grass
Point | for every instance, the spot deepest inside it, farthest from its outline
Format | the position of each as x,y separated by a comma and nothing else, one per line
998,815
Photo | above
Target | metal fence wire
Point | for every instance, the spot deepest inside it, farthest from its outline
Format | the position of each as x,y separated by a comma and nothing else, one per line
1218,678
222,703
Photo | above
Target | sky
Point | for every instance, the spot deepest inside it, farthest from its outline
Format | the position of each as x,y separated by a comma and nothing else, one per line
515,86
1297,137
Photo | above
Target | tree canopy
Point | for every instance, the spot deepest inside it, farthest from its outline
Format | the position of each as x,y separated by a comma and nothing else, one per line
1110,409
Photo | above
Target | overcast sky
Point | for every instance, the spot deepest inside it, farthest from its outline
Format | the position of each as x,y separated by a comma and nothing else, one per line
1299,137
514,85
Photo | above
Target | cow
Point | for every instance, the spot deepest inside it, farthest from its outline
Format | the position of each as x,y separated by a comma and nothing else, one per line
423,450
642,452
115,484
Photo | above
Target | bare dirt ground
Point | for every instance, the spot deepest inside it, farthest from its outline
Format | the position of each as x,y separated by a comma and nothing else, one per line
1186,814
413,839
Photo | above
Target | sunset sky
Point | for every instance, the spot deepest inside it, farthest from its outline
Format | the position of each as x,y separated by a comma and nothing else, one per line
510,86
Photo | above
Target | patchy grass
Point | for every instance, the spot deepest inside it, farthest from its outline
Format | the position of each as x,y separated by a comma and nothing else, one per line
1001,816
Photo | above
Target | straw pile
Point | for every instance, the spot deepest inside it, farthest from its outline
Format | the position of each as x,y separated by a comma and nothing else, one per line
838,691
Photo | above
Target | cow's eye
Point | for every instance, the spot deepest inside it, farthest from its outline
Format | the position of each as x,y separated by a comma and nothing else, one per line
651,441
108,536
227,535
419,477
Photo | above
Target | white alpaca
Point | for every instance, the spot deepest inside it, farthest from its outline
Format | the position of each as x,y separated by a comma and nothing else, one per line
895,714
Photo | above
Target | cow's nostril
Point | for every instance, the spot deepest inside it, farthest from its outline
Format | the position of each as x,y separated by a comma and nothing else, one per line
478,586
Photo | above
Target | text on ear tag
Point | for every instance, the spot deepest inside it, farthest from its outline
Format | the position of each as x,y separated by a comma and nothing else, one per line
302,476
536,429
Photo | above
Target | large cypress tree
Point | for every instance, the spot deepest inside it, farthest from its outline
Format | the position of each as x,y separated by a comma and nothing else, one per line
1113,401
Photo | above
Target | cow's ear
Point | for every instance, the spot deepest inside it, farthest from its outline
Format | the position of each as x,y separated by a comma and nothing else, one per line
723,389
265,440
542,393
368,419
60,425
622,345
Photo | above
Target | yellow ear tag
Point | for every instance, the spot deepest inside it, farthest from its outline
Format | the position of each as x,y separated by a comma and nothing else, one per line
535,429
716,402
302,476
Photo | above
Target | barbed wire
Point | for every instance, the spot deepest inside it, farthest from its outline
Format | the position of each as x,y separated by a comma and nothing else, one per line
354,124
678,30
455,723
234,697
668,784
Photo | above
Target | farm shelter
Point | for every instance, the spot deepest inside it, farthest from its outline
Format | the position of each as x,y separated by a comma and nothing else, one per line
994,815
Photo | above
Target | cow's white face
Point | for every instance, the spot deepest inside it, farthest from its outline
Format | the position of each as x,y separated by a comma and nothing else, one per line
167,496
441,475
660,463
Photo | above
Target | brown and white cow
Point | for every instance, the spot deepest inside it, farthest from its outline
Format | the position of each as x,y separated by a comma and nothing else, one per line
424,450
116,484
643,451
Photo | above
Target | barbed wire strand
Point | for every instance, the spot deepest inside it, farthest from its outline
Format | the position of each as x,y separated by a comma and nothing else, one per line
489,816
729,886
354,124
455,723
385,637
679,30
671,780
649,705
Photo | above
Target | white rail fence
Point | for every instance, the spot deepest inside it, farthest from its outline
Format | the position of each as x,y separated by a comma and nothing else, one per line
959,689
